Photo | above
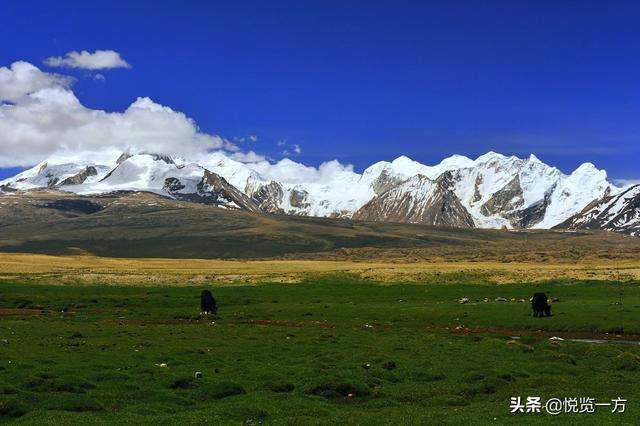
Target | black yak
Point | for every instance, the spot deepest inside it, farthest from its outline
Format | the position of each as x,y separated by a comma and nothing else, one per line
540,305
207,303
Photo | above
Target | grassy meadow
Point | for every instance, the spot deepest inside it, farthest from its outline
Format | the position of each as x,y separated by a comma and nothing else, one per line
333,348
29,268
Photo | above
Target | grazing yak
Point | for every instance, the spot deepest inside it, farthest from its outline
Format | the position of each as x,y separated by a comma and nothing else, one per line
207,303
540,305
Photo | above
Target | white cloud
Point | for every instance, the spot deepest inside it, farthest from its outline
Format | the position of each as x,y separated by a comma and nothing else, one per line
289,171
626,182
44,119
247,157
289,150
22,79
98,60
243,139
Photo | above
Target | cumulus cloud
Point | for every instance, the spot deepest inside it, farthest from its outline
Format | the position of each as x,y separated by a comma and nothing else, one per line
247,157
41,118
22,79
98,60
289,171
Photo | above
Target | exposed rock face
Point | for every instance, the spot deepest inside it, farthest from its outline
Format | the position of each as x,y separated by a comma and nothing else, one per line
50,179
123,157
173,185
526,218
165,158
506,199
269,197
53,181
118,164
477,196
80,177
298,198
385,182
214,189
419,200
620,213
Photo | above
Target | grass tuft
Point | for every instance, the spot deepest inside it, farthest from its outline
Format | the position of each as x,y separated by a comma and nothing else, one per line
627,362
335,390
13,409
279,386
206,390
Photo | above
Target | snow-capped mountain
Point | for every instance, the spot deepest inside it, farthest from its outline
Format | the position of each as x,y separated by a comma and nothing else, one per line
620,213
55,175
143,172
492,191
419,200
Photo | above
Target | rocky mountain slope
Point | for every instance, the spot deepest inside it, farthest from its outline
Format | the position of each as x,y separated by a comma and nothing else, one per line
492,191
143,224
143,173
419,200
620,213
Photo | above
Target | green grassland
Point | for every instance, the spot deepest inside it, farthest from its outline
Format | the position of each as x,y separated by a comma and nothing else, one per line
293,353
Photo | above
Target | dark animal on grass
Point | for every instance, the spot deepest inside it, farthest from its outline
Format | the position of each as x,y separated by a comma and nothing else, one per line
207,303
540,305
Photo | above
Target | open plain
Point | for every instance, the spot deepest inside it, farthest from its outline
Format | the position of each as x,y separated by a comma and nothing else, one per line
320,321
87,269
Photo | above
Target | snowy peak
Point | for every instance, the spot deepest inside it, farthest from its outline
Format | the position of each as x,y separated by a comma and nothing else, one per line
492,191
456,162
146,172
214,189
587,172
533,159
575,192
418,200
384,174
491,156
49,175
407,166
238,174
619,213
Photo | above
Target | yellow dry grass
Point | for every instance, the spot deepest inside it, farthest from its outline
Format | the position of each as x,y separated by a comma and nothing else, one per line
84,270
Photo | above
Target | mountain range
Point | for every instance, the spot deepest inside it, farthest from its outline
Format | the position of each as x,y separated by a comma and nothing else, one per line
492,191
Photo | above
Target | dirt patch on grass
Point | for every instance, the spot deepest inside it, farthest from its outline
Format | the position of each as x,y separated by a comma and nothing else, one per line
336,390
537,334
201,321
294,324
20,312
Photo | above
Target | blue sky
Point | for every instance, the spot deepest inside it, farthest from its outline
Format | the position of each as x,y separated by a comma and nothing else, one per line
362,81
